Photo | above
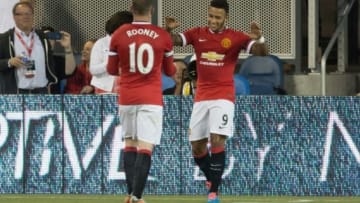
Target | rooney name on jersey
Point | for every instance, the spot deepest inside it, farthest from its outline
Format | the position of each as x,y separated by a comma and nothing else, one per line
147,32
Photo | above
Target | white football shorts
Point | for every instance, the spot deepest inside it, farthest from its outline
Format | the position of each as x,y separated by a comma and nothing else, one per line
142,122
213,116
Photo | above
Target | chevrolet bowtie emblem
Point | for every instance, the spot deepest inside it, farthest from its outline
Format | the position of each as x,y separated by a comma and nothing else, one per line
212,56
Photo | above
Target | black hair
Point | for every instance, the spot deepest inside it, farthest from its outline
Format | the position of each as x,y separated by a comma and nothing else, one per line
222,4
118,19
47,28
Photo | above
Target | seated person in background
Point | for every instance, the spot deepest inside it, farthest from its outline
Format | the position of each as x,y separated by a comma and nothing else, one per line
101,80
79,82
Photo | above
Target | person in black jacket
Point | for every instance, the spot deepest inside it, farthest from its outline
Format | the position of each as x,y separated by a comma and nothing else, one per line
27,63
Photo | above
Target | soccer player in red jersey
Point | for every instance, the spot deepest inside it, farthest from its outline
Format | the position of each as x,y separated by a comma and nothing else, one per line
138,52
217,50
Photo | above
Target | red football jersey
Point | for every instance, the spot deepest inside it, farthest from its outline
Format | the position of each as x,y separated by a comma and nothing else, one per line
138,53
216,57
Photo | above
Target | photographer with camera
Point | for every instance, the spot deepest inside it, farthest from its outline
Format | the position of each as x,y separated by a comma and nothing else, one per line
190,76
185,78
27,63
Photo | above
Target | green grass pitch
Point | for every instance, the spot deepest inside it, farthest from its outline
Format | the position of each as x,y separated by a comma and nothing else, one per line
171,199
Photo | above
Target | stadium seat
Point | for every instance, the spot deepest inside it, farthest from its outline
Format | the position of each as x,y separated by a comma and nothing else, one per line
264,73
242,85
62,86
167,82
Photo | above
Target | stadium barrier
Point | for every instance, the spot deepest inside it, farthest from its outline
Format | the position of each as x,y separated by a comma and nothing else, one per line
282,145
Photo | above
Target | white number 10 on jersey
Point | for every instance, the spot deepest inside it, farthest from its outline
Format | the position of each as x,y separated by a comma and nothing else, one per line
137,56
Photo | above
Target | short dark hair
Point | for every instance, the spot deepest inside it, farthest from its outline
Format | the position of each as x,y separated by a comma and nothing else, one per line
47,28
222,4
25,3
117,20
141,7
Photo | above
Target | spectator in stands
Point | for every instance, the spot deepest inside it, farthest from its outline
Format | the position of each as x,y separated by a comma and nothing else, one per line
6,20
79,83
27,63
217,48
101,80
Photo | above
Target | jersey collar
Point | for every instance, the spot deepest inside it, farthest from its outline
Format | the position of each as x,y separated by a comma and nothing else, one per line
212,32
141,23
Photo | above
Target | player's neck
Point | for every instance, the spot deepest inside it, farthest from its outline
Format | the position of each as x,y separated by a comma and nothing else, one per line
218,30
142,18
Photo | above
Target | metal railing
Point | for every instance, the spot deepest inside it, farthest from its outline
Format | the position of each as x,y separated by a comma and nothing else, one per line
331,44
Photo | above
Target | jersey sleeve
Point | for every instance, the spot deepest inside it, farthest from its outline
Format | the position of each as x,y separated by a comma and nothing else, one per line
189,36
247,42
168,61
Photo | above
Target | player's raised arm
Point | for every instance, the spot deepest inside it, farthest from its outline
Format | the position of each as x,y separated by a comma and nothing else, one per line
259,48
255,31
170,24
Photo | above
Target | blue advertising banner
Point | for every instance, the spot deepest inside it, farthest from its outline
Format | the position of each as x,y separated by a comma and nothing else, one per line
282,145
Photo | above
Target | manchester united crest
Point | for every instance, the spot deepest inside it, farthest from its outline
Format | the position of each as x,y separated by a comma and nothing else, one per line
226,43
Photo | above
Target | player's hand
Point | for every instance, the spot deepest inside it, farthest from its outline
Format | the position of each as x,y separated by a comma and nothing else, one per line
255,31
171,23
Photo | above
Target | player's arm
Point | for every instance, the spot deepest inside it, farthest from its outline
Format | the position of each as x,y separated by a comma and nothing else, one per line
168,65
178,77
177,40
170,25
173,70
259,47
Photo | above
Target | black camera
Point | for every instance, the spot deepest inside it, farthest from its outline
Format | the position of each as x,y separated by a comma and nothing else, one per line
191,68
53,35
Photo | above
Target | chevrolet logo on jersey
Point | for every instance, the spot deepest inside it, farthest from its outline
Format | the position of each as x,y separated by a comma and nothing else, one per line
212,56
